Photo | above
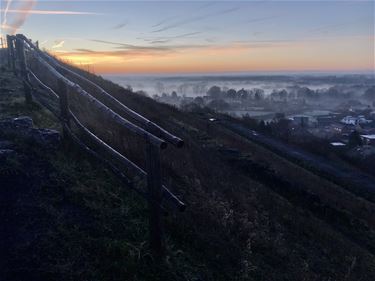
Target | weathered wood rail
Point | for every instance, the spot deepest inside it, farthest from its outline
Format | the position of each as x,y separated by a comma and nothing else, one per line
56,87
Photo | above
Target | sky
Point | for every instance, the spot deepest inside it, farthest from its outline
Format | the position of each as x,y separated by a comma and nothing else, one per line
143,37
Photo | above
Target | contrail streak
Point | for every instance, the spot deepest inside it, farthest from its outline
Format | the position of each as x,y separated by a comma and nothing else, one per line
19,18
49,12
6,13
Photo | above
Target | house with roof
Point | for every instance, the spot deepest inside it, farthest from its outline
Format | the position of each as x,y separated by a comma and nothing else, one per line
351,120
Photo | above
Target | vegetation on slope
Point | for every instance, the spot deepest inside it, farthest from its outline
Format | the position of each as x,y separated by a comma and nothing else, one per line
251,215
65,216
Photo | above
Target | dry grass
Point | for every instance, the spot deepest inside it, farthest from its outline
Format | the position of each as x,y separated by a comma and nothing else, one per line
251,215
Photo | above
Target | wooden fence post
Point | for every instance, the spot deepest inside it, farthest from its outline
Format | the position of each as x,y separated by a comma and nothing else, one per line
20,44
64,106
11,55
154,185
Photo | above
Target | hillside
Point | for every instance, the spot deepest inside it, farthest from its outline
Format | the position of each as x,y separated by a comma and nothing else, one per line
251,214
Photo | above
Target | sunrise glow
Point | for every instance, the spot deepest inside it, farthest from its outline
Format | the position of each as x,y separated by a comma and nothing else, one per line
212,37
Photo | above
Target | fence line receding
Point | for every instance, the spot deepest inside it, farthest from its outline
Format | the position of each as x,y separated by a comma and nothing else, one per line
81,106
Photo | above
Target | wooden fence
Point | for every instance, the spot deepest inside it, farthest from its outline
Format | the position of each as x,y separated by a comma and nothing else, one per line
71,97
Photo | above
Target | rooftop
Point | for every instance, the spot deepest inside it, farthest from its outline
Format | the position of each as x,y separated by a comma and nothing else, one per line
338,144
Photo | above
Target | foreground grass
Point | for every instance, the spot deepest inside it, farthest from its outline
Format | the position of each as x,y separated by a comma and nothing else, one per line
82,223
66,216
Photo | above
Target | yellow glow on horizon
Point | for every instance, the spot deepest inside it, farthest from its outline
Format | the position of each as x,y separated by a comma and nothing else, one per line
345,54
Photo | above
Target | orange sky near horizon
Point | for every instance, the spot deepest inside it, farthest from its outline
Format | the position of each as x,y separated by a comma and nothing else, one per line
310,55
199,36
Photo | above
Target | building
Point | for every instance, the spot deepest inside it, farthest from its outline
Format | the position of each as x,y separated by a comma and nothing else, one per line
350,120
368,139
338,145
324,120
301,120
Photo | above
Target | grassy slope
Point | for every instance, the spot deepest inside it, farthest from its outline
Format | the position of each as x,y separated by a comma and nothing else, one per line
254,226
65,216
245,219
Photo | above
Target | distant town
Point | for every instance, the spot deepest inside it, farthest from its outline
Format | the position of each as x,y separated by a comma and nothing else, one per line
340,118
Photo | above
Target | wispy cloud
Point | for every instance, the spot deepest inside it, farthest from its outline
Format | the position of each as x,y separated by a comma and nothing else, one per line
170,19
120,25
164,21
5,16
84,50
25,8
163,48
43,42
335,27
166,39
58,44
19,18
140,52
47,12
129,50
126,46
5,26
159,41
194,19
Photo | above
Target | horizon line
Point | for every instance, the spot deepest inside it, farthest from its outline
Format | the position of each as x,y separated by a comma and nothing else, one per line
251,72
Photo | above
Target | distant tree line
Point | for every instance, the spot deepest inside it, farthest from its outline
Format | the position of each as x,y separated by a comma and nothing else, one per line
295,92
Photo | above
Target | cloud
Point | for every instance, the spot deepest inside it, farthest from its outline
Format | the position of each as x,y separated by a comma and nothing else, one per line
116,56
5,26
47,12
58,44
43,42
19,18
169,19
193,19
165,39
143,48
126,46
85,50
159,41
25,8
185,58
335,27
127,50
119,26
164,21
123,48
4,23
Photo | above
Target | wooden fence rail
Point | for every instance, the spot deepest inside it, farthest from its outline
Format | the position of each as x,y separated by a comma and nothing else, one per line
61,83
107,98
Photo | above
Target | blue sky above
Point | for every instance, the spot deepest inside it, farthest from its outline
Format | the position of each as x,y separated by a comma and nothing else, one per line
128,27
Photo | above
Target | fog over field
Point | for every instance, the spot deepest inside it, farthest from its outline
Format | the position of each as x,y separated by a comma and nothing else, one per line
198,85
258,95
